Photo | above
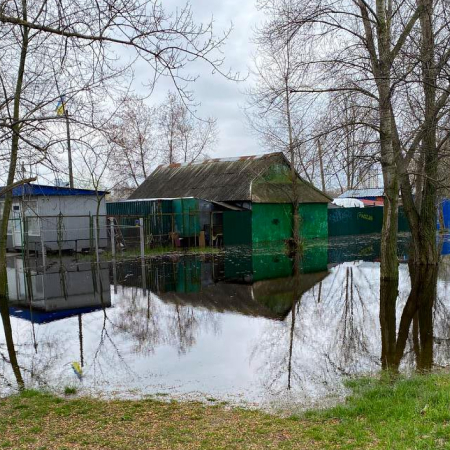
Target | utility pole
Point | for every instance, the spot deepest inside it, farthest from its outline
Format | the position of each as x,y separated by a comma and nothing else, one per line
69,149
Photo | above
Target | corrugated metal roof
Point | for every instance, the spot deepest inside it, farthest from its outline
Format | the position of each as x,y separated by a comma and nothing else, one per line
223,180
49,191
359,193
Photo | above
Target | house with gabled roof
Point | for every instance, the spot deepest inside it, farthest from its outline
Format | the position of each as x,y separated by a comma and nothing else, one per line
254,192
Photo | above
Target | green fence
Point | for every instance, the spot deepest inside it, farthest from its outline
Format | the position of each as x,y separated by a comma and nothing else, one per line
349,221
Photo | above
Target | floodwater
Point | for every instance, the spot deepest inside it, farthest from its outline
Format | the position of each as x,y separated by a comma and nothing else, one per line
237,326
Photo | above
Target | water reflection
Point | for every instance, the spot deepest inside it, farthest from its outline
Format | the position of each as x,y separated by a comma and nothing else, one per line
416,321
255,325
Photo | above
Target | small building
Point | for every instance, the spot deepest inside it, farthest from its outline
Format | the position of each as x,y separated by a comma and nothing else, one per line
253,193
370,196
60,218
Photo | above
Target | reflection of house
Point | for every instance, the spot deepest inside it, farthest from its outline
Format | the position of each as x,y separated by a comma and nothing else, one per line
272,299
202,283
57,216
61,290
255,193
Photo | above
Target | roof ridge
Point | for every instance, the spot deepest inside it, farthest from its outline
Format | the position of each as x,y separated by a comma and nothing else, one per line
226,159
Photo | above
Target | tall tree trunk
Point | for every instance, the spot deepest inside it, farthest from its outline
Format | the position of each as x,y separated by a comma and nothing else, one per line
8,196
294,180
427,248
389,259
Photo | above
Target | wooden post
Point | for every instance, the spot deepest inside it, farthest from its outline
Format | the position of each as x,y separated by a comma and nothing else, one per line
114,275
173,229
211,229
201,240
113,239
97,255
91,234
25,236
43,250
141,235
69,148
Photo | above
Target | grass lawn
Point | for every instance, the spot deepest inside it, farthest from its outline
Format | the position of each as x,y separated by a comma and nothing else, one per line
407,414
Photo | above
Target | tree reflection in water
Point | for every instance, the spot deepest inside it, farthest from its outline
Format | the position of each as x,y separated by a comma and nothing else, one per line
296,334
416,319
12,356
345,323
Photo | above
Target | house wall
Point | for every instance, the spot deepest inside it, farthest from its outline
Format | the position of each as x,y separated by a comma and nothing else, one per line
237,228
74,231
314,220
271,222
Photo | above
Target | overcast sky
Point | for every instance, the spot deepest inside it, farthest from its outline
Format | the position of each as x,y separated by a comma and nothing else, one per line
219,97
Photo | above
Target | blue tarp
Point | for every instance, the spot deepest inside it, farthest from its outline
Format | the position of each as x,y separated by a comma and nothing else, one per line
48,191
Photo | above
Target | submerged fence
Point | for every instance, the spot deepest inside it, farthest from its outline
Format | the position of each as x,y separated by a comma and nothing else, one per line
94,233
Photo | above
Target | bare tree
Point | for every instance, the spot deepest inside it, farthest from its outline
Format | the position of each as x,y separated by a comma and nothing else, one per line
276,114
132,135
54,47
182,136
349,145
385,52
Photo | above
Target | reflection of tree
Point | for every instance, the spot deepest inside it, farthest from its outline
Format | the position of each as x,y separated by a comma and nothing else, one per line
418,312
149,322
321,341
4,309
183,326
140,319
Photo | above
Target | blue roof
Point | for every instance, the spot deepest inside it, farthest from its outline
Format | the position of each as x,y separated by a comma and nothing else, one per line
40,317
50,191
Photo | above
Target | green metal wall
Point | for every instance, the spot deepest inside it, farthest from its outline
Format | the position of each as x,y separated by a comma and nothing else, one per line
157,220
271,222
315,256
237,228
187,222
314,220
349,221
